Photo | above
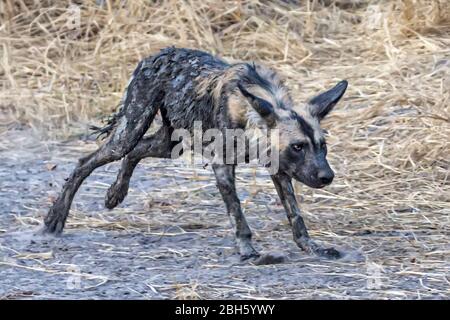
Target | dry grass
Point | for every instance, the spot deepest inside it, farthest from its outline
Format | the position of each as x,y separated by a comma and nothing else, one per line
389,139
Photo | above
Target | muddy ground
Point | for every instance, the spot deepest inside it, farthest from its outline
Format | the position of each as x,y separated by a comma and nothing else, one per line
171,237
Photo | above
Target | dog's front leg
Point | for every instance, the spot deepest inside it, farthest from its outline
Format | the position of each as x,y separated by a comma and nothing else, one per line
286,193
226,184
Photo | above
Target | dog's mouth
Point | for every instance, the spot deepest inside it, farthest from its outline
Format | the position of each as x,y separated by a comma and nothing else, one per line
312,183
316,185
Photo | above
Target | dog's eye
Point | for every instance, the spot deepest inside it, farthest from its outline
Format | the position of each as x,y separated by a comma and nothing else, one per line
297,146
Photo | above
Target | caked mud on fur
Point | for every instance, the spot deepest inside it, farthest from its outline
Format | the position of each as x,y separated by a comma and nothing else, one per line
186,86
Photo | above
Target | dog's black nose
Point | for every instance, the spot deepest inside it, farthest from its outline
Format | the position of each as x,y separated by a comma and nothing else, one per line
326,176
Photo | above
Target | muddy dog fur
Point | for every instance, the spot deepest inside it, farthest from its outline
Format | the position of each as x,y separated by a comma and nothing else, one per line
187,85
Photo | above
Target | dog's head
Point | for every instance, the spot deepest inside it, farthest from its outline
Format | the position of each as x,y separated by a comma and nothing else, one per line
302,147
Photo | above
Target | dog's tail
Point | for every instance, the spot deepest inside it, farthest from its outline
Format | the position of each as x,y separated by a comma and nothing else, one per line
111,122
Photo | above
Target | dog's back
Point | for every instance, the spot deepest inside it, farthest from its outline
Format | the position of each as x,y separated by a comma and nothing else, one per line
176,74
183,71
193,85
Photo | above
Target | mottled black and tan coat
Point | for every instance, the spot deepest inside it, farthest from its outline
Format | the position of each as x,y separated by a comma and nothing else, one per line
188,85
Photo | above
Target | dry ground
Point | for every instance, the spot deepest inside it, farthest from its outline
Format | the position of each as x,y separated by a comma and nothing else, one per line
171,237
389,143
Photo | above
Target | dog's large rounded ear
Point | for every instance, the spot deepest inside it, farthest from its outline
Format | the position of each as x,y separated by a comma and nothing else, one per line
263,107
322,104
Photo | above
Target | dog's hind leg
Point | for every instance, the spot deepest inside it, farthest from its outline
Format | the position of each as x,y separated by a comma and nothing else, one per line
156,146
140,108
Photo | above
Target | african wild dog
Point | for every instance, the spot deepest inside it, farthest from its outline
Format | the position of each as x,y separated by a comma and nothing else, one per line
188,85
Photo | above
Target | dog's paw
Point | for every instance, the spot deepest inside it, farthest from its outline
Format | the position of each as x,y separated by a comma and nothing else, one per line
251,256
329,253
269,258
